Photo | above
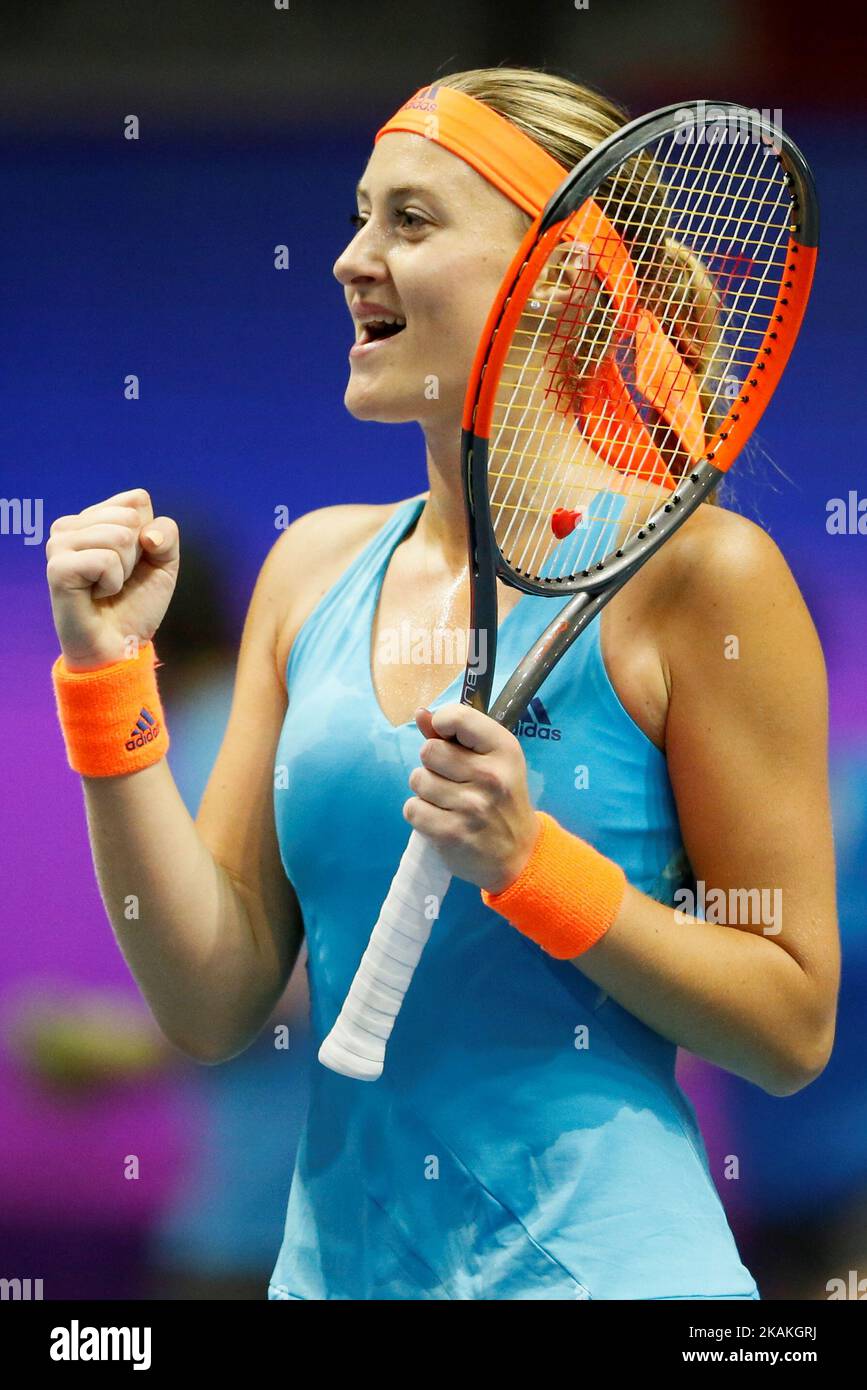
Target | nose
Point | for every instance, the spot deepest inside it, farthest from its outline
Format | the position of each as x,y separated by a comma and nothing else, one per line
362,259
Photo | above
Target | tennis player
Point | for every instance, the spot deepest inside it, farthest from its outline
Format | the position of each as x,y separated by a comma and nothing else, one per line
527,1139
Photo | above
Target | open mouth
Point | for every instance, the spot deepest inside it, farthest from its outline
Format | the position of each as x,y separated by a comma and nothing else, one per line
375,329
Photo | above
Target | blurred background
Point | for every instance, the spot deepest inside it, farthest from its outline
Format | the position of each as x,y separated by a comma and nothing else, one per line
126,1171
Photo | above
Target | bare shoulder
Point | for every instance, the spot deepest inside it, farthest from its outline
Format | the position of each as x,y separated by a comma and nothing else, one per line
309,558
721,577
721,559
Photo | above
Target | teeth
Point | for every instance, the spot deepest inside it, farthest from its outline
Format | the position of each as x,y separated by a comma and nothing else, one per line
369,323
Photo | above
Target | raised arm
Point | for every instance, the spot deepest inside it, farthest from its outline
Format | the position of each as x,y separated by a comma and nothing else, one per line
215,927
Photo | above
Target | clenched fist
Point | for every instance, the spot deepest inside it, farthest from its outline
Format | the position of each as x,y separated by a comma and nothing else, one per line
111,570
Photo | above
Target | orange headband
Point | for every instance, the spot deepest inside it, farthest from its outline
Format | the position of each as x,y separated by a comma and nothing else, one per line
501,153
528,175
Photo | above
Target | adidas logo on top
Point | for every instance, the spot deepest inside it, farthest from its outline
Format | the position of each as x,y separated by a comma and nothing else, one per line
535,722
145,731
425,100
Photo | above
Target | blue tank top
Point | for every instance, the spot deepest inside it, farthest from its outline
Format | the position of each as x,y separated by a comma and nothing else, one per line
527,1138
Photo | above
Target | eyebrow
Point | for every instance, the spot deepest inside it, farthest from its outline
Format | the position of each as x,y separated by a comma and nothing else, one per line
404,191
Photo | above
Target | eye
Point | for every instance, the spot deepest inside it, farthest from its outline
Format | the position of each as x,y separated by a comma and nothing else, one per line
410,220
409,217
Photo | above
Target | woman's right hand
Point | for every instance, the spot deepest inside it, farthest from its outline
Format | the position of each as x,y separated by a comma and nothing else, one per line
111,570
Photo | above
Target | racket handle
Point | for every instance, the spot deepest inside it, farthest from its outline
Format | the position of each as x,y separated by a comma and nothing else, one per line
356,1044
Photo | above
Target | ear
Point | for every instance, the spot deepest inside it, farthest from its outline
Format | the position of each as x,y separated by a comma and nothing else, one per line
568,276
570,309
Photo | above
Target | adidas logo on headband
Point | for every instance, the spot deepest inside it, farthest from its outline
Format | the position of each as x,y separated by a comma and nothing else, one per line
425,100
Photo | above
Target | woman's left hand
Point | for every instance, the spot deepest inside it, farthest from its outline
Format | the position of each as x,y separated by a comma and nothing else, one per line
471,796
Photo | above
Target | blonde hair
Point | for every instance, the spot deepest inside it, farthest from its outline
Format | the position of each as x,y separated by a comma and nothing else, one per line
569,120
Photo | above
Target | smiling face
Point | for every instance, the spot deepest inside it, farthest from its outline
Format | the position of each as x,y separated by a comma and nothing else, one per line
434,241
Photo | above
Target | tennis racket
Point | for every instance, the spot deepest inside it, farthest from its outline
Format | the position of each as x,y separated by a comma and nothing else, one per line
637,337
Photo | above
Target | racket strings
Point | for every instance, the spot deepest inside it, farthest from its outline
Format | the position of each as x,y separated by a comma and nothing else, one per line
667,336
597,338
686,227
572,491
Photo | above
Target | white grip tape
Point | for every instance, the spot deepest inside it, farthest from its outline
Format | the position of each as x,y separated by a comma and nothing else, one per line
356,1044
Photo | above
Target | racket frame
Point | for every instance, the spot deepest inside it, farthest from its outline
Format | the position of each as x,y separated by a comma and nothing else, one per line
486,561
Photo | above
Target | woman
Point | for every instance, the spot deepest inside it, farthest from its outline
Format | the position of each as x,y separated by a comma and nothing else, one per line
528,1138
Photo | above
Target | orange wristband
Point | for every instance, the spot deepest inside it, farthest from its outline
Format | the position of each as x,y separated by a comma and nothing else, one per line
111,717
566,896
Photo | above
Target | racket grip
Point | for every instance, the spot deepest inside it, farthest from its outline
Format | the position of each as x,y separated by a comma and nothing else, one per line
356,1044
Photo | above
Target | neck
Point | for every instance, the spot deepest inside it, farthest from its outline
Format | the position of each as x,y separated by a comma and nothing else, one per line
442,525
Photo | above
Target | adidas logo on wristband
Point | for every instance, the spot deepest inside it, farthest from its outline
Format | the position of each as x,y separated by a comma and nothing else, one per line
146,729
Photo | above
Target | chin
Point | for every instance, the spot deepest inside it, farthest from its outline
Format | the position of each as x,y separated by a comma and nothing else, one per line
376,407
